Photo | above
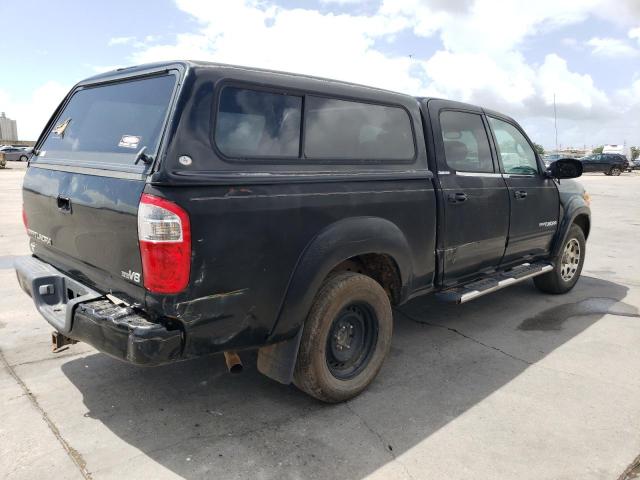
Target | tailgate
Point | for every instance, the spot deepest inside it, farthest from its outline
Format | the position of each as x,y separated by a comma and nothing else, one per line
83,186
86,225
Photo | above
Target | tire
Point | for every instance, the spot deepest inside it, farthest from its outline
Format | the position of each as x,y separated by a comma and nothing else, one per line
347,302
24,158
615,171
565,273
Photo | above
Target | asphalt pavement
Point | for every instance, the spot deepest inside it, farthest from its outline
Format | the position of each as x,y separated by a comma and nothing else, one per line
517,384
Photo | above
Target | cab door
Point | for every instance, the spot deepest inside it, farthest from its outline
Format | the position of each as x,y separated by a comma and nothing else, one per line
534,198
474,196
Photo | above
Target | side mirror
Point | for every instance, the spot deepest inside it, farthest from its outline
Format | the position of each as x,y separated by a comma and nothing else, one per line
565,168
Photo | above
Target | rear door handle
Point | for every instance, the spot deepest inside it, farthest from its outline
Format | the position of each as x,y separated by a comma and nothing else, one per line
457,197
64,204
520,194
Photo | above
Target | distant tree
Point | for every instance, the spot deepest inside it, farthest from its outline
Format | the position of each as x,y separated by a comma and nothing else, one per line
598,149
635,152
539,148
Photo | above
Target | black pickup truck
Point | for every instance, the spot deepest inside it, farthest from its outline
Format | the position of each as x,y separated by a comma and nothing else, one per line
179,209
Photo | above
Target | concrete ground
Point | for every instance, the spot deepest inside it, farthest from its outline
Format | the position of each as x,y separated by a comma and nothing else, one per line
517,384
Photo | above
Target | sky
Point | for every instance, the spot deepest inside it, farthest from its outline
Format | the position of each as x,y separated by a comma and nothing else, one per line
509,55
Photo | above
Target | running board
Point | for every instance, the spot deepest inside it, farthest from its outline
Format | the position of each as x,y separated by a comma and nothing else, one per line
493,282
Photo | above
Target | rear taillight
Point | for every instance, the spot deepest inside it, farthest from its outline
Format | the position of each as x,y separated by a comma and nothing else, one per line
165,245
24,219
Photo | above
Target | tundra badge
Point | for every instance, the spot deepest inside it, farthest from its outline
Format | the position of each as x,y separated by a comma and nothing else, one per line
38,236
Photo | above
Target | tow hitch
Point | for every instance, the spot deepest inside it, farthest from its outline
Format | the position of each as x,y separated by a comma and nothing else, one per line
58,341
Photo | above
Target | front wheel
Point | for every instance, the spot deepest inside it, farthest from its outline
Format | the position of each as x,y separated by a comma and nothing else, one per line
346,337
23,158
568,267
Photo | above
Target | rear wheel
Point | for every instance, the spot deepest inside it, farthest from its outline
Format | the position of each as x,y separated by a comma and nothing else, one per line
615,171
346,338
568,267
23,158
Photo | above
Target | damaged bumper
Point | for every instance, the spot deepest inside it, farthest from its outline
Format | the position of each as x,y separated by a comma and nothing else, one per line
83,314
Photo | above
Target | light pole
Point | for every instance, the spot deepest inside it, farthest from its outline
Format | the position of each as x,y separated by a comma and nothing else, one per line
555,119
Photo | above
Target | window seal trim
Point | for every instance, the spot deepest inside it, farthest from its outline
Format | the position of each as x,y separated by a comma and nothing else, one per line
478,174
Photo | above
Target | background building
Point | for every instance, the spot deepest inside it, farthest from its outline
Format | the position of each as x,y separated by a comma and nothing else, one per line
574,152
8,130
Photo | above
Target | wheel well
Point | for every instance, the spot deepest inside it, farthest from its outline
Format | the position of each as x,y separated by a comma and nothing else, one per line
379,266
583,222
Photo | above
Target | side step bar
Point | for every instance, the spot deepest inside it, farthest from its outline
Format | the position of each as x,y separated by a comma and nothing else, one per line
493,282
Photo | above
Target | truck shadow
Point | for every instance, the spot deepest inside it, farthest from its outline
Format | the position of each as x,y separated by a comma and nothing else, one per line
198,421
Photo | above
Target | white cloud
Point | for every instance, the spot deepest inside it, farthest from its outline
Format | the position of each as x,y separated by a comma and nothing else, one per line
344,2
305,41
104,68
32,114
120,41
479,58
487,25
611,47
148,39
480,61
571,89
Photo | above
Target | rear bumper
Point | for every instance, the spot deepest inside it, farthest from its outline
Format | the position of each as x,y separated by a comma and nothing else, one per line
83,314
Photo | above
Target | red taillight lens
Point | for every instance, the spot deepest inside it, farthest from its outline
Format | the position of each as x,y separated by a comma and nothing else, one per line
165,245
24,219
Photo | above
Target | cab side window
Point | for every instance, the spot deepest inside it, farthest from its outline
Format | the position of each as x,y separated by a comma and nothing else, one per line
466,146
514,150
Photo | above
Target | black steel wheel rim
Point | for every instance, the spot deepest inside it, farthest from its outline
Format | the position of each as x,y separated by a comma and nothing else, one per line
352,340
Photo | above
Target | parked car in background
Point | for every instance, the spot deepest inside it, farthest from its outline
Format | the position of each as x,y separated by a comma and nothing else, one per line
608,163
16,153
635,164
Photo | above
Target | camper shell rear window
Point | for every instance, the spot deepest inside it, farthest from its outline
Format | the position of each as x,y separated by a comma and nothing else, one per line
106,125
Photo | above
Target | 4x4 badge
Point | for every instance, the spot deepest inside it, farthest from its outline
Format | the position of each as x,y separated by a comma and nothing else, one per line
551,223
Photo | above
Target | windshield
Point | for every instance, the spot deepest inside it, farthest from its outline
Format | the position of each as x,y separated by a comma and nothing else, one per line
109,124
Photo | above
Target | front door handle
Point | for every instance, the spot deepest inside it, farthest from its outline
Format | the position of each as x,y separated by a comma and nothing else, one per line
520,194
457,197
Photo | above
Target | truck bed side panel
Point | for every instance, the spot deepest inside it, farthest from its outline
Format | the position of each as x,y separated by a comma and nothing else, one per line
248,240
